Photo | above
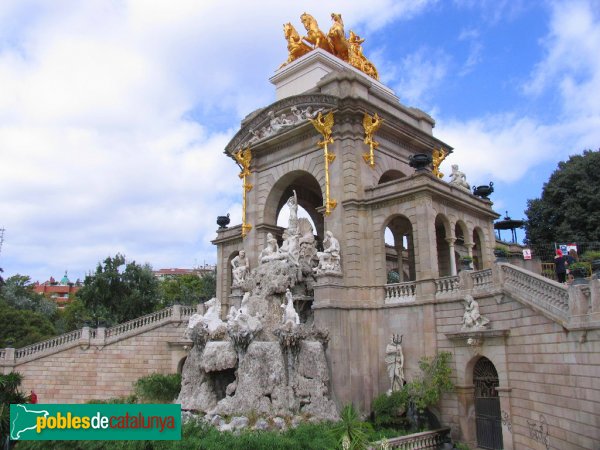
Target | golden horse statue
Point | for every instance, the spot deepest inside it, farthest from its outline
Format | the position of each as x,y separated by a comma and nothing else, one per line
296,47
337,37
357,58
314,35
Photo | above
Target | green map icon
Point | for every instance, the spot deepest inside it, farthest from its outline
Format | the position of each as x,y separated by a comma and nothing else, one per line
23,420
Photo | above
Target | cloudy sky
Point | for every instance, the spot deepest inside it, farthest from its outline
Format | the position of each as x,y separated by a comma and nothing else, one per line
114,113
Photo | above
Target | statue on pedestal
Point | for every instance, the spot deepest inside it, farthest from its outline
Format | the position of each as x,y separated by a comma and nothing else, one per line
271,251
458,178
329,258
472,319
241,268
394,358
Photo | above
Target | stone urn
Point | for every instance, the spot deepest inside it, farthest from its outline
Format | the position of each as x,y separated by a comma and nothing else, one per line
465,263
223,221
483,191
419,162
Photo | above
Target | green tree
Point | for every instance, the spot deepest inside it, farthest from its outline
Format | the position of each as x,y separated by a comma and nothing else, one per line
21,327
187,289
569,208
18,292
9,393
119,291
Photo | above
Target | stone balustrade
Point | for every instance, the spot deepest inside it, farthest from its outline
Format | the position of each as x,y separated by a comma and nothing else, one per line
547,295
400,292
446,285
422,441
482,279
57,342
99,336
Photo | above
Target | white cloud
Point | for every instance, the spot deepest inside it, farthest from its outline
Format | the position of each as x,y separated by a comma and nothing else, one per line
114,116
419,74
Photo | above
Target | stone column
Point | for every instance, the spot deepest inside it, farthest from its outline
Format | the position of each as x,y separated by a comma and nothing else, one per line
425,241
399,249
466,414
506,416
451,242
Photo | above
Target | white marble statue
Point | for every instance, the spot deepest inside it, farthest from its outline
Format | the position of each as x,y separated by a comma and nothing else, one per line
240,268
472,319
329,258
271,251
458,178
211,319
290,316
394,358
292,204
291,247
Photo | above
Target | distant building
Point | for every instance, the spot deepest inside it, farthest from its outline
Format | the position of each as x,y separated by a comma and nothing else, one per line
199,271
61,292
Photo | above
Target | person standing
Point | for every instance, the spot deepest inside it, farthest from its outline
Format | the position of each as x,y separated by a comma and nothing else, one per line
560,266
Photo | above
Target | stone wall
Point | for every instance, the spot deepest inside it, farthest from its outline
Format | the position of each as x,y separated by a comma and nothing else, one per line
547,374
101,367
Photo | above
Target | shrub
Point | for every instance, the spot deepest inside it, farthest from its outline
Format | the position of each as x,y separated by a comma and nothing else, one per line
388,409
590,255
350,431
158,388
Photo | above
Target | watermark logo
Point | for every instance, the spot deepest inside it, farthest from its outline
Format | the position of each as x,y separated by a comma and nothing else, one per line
95,422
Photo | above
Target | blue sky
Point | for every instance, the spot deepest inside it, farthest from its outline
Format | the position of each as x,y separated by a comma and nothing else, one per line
114,114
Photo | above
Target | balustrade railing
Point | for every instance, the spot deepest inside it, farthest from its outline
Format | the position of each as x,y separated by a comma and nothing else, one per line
48,344
419,441
482,279
76,336
400,292
537,290
187,311
140,322
446,285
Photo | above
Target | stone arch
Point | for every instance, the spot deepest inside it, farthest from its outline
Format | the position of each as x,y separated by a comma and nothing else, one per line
308,190
180,364
443,231
401,229
478,241
390,175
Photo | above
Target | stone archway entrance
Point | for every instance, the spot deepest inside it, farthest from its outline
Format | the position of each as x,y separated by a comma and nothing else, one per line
487,405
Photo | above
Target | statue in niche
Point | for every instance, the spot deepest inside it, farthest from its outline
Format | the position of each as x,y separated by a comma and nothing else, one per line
290,316
329,258
240,268
394,358
271,251
472,319
458,178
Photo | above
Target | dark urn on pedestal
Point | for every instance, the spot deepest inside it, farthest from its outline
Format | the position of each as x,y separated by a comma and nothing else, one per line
483,191
223,221
419,162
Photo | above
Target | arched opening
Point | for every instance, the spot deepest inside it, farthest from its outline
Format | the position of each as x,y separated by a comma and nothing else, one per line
487,405
308,192
390,175
442,226
181,364
399,250
477,249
